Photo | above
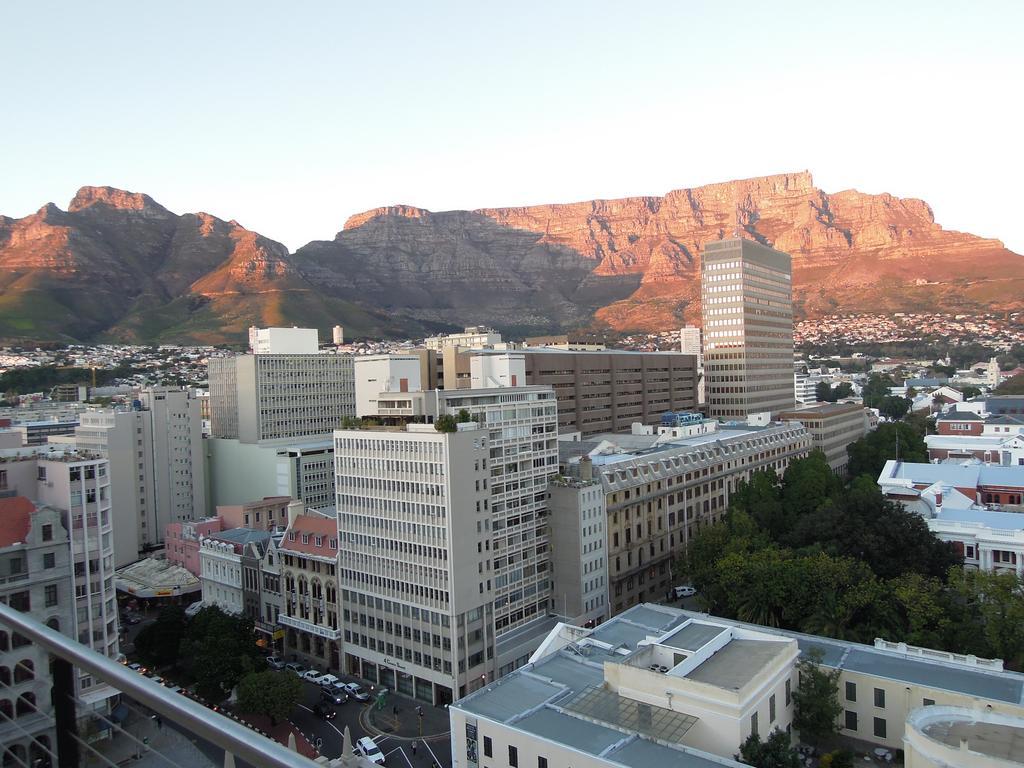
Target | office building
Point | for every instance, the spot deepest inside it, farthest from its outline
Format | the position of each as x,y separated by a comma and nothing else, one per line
579,543
746,297
35,577
308,576
833,427
338,335
691,342
296,397
602,391
157,471
661,686
239,472
283,341
573,343
661,485
445,567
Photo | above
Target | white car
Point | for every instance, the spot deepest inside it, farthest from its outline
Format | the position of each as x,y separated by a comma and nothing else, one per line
326,679
685,590
368,748
275,662
357,692
295,668
312,675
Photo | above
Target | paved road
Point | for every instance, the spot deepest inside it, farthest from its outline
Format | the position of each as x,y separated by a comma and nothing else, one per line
397,749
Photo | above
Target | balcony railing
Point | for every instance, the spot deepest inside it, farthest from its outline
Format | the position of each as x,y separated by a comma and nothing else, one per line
74,748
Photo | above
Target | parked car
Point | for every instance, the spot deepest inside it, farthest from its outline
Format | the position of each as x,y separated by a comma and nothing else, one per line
357,692
326,679
311,675
174,688
158,679
324,710
136,667
685,590
334,695
295,667
274,662
368,748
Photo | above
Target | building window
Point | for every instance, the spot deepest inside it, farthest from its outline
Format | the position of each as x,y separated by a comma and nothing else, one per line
542,762
51,595
771,709
789,692
48,532
753,724
928,702
851,720
49,560
513,757
487,746
880,727
851,691
880,698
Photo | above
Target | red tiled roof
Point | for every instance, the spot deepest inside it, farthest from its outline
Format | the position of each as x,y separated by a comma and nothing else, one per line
312,525
15,520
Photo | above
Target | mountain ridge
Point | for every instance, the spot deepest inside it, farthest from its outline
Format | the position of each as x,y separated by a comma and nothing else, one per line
119,266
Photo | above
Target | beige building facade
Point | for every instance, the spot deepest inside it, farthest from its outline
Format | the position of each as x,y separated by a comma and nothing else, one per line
833,427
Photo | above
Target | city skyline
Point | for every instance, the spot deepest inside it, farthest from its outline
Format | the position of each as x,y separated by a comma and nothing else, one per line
290,123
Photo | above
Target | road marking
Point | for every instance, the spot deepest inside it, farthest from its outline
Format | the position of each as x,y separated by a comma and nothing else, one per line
427,745
399,749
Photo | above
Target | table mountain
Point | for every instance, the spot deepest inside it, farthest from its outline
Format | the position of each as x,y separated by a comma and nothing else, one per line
117,265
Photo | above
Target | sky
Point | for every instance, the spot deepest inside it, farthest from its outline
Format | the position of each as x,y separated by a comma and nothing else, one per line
290,117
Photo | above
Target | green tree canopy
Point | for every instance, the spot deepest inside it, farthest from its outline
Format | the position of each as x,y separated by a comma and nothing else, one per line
816,699
158,644
869,454
446,423
776,752
876,389
219,648
269,693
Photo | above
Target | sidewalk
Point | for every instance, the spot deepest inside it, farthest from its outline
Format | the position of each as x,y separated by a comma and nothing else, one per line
165,746
399,719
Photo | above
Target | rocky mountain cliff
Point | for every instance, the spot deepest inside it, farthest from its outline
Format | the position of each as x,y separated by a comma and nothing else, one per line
118,265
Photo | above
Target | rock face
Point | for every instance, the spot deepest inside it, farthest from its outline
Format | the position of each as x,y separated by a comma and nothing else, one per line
118,265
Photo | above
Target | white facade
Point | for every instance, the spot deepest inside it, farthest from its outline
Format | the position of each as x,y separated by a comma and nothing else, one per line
280,396
377,374
445,536
474,337
494,371
283,341
691,342
580,553
158,475
338,335
220,570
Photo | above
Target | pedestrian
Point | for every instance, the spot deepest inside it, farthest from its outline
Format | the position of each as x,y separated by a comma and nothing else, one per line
394,710
414,749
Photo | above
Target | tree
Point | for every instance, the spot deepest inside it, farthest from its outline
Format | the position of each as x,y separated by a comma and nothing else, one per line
843,389
158,644
969,392
464,417
1012,386
893,408
445,423
869,454
776,752
994,605
807,483
816,699
823,392
876,389
220,649
269,693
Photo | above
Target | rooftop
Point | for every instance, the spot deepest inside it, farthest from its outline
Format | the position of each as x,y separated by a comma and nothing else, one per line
1000,740
737,663
15,520
956,475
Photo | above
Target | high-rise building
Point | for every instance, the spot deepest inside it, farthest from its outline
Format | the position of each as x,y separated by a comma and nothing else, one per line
280,396
338,335
691,342
157,472
474,337
746,296
445,569
77,484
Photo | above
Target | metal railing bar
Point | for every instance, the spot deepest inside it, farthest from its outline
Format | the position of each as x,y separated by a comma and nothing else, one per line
91,748
28,735
192,716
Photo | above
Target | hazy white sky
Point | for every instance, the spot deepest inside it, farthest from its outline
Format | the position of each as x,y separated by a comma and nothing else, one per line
289,117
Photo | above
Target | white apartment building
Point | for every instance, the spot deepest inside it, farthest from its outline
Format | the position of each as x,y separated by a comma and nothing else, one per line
474,337
157,471
77,483
379,374
691,342
657,686
746,300
240,472
35,577
445,566
297,397
284,341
